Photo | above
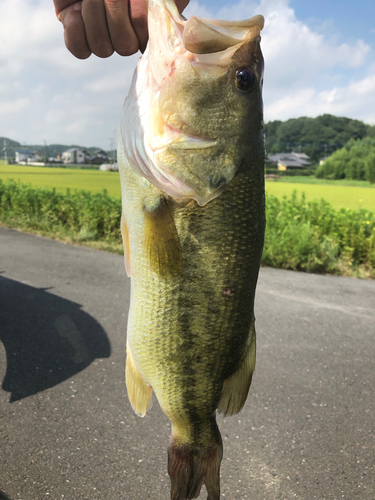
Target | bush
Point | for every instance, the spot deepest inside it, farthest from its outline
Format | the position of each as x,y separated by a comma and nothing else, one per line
300,235
351,162
81,214
370,167
313,237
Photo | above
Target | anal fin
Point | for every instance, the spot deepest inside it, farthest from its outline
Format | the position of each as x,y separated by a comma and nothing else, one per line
161,239
125,242
236,386
139,392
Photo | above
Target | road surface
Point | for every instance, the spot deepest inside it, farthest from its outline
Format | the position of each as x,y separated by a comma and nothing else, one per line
67,430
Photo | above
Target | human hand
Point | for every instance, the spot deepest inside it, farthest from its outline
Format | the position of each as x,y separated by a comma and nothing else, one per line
104,26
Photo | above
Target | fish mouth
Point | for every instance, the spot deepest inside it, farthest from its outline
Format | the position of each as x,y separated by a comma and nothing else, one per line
205,43
198,35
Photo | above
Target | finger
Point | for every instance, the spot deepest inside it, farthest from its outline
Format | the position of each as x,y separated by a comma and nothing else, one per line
181,4
123,36
74,31
60,5
138,10
97,34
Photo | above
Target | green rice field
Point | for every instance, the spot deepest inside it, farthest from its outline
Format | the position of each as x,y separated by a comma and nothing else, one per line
339,196
346,194
63,178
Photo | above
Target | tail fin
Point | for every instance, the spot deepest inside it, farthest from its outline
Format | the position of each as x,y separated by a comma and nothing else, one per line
190,466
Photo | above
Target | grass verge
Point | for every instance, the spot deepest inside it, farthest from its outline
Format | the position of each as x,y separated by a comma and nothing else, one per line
302,235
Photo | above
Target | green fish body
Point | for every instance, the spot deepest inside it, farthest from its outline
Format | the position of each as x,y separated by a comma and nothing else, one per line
191,158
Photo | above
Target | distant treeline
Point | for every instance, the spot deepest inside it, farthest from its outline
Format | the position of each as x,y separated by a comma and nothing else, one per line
317,137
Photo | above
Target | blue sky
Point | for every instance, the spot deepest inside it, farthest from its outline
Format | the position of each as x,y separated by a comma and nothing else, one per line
345,17
319,54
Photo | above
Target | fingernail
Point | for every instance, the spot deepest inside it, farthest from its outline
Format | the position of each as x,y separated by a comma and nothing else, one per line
78,6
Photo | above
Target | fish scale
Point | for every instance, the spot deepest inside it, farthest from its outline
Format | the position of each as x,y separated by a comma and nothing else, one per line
193,229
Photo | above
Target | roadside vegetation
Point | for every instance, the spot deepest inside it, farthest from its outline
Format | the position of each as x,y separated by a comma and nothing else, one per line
302,235
312,236
81,217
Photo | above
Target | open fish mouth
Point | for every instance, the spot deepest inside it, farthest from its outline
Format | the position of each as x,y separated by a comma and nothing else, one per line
207,42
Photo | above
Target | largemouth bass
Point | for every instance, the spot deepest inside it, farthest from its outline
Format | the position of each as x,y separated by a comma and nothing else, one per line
191,156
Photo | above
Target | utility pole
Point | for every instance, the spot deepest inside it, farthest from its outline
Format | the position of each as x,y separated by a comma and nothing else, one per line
111,151
5,152
114,149
45,151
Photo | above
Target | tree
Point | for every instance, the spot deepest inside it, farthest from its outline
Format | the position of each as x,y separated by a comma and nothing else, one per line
370,167
355,161
317,137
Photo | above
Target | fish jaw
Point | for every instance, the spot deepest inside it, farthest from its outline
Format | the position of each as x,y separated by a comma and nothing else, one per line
158,141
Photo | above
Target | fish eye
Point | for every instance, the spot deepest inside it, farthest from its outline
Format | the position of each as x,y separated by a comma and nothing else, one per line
245,79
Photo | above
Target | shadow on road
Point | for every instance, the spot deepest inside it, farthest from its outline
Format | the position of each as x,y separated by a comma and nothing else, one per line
3,496
47,339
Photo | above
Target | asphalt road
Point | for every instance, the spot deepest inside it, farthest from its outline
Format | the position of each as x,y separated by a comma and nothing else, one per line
67,430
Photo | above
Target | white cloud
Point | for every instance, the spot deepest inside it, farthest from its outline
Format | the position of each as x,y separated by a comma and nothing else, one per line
46,92
8,107
351,101
110,82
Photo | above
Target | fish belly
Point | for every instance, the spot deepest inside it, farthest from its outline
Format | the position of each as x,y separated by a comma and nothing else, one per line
191,330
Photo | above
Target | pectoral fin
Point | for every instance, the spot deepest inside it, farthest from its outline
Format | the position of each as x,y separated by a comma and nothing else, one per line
236,386
125,242
161,239
139,392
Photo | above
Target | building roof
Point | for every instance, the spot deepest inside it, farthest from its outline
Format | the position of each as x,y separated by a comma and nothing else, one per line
71,150
290,159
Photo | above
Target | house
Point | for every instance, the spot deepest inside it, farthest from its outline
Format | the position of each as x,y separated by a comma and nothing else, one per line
76,155
99,157
290,161
26,156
